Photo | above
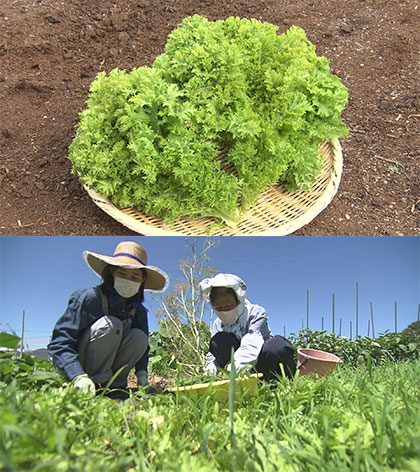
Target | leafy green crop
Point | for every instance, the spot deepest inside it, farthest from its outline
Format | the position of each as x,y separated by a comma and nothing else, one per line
150,138
350,420
387,347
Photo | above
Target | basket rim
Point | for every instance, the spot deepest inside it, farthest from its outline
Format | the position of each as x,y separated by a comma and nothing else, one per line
126,218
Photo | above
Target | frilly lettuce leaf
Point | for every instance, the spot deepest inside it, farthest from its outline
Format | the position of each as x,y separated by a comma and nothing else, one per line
149,138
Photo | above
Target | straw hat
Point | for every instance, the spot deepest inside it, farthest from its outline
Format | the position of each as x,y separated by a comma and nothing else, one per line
129,255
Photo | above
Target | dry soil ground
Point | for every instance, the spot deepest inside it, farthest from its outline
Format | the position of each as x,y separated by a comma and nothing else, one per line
51,50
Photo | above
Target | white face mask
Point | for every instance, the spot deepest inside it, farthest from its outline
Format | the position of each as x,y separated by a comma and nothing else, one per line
126,288
228,317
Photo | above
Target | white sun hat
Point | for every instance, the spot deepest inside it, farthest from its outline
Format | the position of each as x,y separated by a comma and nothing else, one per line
223,280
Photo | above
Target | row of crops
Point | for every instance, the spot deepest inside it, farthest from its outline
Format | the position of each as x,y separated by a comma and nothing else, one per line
359,419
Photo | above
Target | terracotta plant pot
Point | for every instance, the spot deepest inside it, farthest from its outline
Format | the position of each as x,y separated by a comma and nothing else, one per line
312,361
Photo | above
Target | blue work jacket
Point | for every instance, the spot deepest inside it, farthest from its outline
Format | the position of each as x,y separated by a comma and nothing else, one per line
84,308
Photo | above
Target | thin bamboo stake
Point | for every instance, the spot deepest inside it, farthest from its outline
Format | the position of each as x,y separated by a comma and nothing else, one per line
357,308
341,322
322,324
284,331
396,317
368,328
23,333
307,308
371,315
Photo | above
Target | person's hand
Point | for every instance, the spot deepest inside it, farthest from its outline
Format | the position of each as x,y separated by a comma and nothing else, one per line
212,369
142,378
85,383
239,370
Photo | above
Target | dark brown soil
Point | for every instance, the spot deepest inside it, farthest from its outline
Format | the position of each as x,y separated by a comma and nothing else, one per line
50,52
154,380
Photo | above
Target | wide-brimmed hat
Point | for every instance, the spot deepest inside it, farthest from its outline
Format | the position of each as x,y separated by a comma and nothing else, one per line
129,255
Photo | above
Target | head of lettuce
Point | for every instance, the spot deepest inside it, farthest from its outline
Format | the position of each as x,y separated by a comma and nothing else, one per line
150,138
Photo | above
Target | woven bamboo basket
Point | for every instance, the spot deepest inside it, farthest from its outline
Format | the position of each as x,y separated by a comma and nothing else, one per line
277,212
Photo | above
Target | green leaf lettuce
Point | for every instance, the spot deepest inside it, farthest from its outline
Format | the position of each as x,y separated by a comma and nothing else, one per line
150,138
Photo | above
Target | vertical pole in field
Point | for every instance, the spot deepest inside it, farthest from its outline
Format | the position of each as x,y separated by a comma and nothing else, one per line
371,315
368,328
395,317
357,308
322,324
23,333
303,325
333,313
307,308
341,322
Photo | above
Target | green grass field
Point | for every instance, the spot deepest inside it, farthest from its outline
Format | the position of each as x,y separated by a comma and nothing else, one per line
358,420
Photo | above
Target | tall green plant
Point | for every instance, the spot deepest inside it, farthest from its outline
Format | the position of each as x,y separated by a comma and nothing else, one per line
412,329
184,334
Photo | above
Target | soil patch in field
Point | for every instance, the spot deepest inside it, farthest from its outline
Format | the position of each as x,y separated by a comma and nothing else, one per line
156,381
50,52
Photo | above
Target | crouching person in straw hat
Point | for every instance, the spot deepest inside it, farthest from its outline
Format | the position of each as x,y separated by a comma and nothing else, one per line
243,327
105,327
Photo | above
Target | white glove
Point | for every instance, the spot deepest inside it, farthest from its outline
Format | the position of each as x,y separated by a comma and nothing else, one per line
212,368
239,370
142,378
85,383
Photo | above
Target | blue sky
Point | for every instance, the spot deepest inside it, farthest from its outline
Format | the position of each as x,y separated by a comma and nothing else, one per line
38,274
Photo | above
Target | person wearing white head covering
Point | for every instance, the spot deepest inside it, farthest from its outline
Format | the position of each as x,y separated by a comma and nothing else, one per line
105,327
243,326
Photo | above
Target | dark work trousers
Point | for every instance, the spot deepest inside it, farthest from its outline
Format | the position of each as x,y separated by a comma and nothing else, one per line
276,351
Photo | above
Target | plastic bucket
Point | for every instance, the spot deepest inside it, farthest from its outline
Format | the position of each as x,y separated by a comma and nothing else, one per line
219,390
312,361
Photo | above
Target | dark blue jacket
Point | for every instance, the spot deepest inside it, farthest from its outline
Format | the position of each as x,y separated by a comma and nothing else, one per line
84,308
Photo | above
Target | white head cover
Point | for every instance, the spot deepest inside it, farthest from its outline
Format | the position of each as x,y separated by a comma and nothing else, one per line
238,286
223,280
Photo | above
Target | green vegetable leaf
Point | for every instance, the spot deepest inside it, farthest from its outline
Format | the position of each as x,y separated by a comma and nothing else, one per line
9,340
